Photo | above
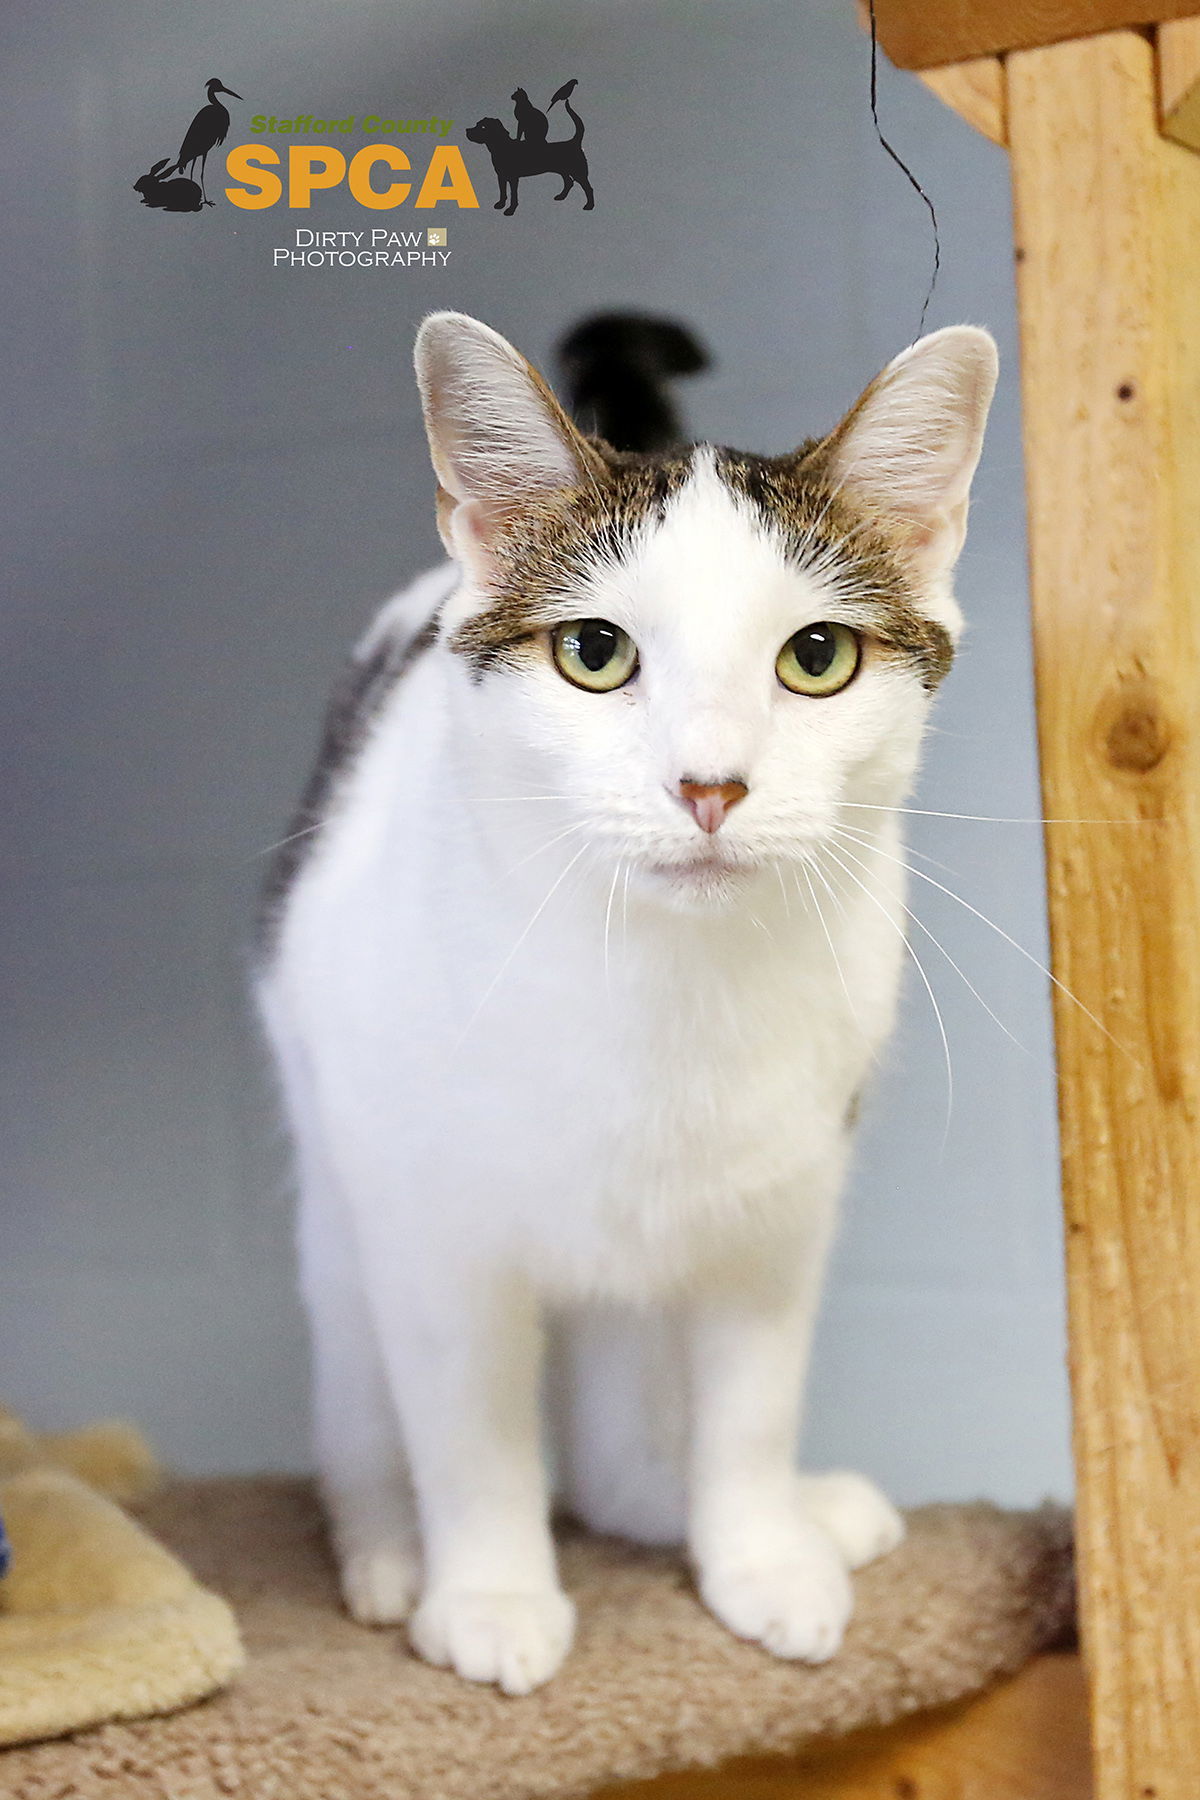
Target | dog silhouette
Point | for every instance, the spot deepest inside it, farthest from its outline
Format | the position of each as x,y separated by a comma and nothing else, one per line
533,127
514,158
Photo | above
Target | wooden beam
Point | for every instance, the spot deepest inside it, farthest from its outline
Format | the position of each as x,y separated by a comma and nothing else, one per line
1108,246
923,34
975,90
1179,80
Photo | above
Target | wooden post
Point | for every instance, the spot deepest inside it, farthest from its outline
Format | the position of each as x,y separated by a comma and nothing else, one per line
1108,248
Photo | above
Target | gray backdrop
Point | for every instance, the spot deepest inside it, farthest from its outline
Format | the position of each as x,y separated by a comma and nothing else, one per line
214,470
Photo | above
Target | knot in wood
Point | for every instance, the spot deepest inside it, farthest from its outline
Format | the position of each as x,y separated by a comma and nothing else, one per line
1138,737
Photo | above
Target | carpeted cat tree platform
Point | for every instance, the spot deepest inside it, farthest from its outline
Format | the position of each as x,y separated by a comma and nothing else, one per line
330,1710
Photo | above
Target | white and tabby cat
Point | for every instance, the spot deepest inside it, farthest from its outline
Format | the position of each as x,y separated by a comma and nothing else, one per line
572,993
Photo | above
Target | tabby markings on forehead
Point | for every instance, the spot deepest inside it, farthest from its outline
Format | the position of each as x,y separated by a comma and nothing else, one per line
868,567
549,545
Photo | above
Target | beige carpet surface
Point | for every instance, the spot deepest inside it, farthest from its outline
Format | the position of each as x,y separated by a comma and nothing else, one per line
330,1710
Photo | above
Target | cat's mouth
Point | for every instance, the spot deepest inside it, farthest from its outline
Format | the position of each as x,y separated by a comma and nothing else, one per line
708,872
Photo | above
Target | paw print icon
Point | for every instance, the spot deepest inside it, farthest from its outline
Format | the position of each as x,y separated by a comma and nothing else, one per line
436,235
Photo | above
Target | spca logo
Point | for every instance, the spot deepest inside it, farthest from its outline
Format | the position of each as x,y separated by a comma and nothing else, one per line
533,151
171,186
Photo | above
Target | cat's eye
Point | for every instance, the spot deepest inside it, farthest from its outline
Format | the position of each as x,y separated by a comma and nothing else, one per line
593,654
819,659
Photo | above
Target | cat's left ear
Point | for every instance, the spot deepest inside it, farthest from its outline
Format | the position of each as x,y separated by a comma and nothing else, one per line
908,449
498,437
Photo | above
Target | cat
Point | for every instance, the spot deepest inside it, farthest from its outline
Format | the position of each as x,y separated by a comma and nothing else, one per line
532,124
574,973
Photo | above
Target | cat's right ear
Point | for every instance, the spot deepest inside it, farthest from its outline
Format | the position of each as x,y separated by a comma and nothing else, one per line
498,437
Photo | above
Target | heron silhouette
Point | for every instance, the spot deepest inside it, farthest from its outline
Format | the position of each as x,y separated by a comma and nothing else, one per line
205,132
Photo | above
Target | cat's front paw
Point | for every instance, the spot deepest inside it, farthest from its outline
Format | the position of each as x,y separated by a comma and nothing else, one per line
379,1586
862,1522
795,1599
516,1640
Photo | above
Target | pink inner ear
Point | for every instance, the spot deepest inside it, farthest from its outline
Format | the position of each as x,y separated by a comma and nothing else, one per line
468,524
470,530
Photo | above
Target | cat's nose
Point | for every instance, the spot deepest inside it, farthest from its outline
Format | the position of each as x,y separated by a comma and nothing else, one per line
709,801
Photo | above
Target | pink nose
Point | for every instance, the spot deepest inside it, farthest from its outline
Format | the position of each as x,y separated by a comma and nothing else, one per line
709,801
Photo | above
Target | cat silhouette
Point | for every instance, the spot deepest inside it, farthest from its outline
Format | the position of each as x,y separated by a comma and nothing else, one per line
533,127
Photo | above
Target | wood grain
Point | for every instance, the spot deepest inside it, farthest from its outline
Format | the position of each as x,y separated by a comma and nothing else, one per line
1179,81
1027,1740
1108,233
922,34
975,90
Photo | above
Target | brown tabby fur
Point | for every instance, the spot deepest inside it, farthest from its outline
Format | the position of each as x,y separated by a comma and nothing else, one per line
542,549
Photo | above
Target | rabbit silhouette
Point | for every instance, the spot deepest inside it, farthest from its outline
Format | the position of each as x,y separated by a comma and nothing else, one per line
171,195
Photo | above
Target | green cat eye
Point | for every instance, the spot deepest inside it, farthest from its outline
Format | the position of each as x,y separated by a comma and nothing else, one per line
593,654
819,659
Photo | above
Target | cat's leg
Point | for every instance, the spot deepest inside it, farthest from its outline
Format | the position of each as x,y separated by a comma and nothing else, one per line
356,1428
859,1518
463,1354
356,1442
617,1391
765,1566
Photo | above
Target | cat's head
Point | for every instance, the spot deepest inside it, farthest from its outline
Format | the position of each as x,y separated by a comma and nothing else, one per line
706,653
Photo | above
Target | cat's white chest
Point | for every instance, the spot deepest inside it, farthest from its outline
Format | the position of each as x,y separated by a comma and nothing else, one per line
715,1100
614,1118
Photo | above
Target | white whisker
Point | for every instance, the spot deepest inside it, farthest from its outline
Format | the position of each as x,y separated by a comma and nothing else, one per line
862,834
924,812
1020,948
559,837
607,922
937,1011
829,889
808,870
306,831
938,945
499,975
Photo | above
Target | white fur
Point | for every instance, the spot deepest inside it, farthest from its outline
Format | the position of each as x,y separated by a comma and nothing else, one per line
554,1078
